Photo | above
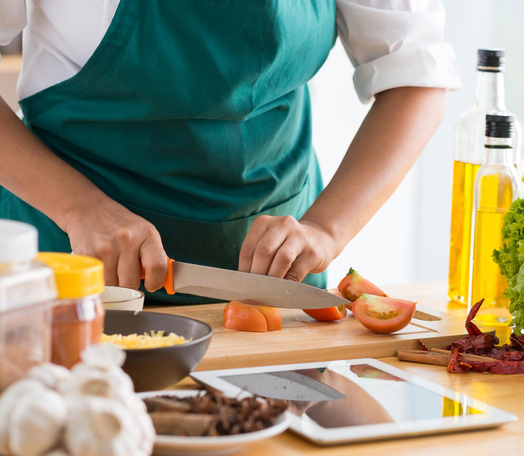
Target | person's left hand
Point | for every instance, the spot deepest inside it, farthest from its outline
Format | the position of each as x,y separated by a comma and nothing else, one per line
286,248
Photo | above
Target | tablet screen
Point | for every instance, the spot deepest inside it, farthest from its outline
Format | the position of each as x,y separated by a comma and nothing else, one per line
358,400
351,395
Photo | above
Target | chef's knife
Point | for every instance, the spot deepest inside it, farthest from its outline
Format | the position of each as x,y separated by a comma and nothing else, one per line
229,285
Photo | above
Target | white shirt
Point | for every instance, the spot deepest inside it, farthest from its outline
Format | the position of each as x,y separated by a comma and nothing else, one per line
391,43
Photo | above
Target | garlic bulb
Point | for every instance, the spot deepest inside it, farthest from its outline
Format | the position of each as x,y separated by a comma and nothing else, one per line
91,410
51,375
103,427
92,381
36,423
103,356
8,400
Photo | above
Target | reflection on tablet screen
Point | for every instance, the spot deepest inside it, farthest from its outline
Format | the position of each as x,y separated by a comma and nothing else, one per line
350,395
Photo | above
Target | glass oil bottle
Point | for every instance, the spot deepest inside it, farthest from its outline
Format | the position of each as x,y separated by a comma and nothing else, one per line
468,156
496,187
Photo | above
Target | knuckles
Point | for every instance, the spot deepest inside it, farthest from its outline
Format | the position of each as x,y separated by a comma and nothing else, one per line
264,250
286,257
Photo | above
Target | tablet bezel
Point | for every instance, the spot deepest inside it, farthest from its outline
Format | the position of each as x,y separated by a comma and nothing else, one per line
493,416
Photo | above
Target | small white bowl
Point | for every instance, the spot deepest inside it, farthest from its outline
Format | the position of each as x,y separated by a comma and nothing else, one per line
119,298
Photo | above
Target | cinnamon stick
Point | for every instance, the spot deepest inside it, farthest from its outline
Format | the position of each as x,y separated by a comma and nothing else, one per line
465,356
436,357
179,423
424,357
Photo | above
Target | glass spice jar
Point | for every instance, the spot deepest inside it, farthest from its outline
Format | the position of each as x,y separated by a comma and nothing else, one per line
78,313
27,292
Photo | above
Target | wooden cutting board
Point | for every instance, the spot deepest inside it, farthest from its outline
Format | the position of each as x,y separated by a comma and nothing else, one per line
303,339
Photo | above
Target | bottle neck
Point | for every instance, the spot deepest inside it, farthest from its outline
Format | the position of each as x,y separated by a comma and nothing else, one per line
490,90
499,151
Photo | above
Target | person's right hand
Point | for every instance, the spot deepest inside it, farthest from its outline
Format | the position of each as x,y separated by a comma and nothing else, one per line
123,241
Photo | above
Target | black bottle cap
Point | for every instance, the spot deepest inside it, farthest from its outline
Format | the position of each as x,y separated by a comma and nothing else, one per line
491,59
500,125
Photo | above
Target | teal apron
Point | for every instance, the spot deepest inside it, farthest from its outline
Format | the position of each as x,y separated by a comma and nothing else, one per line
195,115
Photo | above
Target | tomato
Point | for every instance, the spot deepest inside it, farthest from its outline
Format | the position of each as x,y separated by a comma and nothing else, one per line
330,313
383,315
353,285
272,316
246,317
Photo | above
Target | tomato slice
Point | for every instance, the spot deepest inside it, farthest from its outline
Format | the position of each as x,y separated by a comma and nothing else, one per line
353,285
272,316
382,314
330,313
244,317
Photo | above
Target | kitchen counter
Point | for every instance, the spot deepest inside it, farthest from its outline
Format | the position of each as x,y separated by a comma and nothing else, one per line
505,392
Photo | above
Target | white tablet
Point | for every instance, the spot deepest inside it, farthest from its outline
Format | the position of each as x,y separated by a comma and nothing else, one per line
358,400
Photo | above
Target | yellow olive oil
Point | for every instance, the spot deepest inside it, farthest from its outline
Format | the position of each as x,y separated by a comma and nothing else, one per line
488,283
495,190
461,214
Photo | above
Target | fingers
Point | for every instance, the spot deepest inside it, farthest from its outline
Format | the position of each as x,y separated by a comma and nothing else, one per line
301,267
124,242
154,261
128,269
282,247
257,230
285,257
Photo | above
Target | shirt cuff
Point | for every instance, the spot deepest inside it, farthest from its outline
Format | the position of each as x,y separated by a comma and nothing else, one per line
429,65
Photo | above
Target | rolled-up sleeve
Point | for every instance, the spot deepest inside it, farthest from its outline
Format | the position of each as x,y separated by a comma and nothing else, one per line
396,43
13,19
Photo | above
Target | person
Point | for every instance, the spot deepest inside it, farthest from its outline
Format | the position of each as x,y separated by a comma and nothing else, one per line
183,129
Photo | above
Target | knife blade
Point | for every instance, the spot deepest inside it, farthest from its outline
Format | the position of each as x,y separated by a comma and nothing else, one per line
229,285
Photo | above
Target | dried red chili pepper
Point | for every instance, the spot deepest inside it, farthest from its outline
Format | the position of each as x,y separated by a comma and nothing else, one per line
423,345
454,365
517,342
471,327
498,367
507,359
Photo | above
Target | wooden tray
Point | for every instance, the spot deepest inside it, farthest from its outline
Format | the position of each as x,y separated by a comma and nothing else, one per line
303,339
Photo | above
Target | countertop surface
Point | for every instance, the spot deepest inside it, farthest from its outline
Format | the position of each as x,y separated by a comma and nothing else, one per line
504,392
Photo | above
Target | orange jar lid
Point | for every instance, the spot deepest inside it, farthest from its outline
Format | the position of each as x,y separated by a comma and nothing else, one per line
76,276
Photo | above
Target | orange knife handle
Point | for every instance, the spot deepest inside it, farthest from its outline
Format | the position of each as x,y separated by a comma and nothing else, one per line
168,283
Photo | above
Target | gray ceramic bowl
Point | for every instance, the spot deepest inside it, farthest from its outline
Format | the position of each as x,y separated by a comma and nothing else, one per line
158,368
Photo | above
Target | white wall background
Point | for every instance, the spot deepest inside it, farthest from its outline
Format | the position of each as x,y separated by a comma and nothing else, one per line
408,239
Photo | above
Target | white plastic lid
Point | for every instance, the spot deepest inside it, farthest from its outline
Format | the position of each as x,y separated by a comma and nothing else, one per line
18,241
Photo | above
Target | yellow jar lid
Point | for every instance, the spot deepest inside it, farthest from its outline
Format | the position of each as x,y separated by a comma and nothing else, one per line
76,276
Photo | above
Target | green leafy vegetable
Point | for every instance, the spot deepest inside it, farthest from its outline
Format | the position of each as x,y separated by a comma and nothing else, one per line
510,259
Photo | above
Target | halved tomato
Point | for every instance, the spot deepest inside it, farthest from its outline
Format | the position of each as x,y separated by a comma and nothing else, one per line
272,316
353,285
245,317
383,315
330,313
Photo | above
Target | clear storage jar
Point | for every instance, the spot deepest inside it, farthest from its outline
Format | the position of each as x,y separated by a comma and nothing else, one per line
27,292
78,313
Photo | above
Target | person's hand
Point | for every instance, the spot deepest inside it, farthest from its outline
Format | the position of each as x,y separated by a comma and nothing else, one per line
123,241
286,248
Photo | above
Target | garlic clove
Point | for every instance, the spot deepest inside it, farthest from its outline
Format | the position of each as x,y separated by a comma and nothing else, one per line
103,427
37,422
103,356
8,400
51,375
92,381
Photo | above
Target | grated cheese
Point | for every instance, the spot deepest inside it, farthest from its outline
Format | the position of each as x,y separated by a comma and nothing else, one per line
135,341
